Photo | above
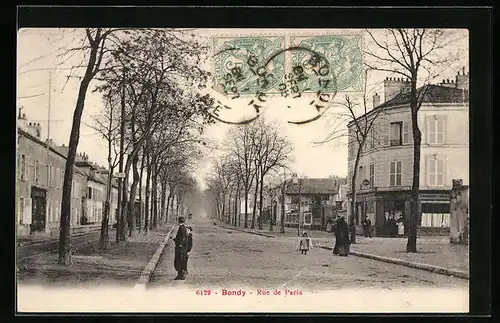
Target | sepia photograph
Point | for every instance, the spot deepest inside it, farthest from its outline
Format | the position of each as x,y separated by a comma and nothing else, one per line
242,170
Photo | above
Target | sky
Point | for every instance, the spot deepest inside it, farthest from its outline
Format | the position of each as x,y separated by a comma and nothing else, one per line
39,61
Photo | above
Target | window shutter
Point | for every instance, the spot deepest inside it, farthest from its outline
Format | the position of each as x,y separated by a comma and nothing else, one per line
445,175
406,132
445,122
18,165
27,211
427,129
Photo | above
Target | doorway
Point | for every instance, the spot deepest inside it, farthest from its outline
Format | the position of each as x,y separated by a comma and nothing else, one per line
39,211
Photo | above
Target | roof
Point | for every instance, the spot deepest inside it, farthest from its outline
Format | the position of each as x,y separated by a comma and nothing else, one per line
55,151
433,94
314,186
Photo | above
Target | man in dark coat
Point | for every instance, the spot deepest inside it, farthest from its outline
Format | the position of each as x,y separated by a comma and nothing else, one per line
368,227
365,227
189,245
341,238
180,249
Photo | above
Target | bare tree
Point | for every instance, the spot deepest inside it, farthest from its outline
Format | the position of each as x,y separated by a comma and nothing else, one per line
361,131
95,46
107,124
272,151
241,146
409,52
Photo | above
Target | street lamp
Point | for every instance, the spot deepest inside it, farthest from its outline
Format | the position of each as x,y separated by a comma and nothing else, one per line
298,180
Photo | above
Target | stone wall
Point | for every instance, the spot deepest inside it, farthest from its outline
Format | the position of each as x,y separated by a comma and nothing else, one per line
459,218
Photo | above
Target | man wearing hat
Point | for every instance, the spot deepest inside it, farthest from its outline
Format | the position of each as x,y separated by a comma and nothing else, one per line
189,245
180,249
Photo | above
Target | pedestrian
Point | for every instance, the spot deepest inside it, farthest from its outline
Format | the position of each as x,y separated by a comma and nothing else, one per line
189,245
368,226
304,244
401,228
341,238
180,248
365,227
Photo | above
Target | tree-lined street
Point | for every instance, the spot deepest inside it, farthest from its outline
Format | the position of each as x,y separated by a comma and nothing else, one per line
225,258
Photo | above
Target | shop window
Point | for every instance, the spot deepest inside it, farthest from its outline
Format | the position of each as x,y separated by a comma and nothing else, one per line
435,215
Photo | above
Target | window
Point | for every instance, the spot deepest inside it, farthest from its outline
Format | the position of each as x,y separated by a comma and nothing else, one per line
49,210
395,174
383,136
307,218
371,138
396,133
61,177
436,132
56,214
21,210
436,172
35,171
435,215
23,167
90,193
372,174
50,176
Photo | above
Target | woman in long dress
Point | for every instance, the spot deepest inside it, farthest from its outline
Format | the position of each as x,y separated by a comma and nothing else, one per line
341,238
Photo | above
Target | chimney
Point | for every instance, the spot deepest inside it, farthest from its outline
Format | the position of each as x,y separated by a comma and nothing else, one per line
376,100
34,129
447,83
462,80
393,87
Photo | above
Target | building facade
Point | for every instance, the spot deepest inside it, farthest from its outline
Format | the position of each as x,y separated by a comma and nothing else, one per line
39,182
385,170
318,198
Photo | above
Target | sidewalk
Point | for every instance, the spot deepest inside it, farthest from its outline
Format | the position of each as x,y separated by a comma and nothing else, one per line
435,254
121,264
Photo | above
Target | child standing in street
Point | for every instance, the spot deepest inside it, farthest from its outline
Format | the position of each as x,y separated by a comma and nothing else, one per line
304,244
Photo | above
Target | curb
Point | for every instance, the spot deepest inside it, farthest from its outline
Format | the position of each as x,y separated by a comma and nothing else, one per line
246,231
35,242
151,266
426,267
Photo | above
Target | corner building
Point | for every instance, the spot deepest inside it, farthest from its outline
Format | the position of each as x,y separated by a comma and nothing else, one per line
386,162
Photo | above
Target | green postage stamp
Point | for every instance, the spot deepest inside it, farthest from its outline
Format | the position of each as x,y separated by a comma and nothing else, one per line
287,65
242,65
341,61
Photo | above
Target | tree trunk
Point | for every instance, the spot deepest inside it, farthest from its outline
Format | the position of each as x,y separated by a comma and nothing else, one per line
65,219
104,238
245,225
282,229
163,201
238,207
411,245
154,199
172,189
168,205
141,209
131,202
177,206
147,188
352,220
261,205
236,193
